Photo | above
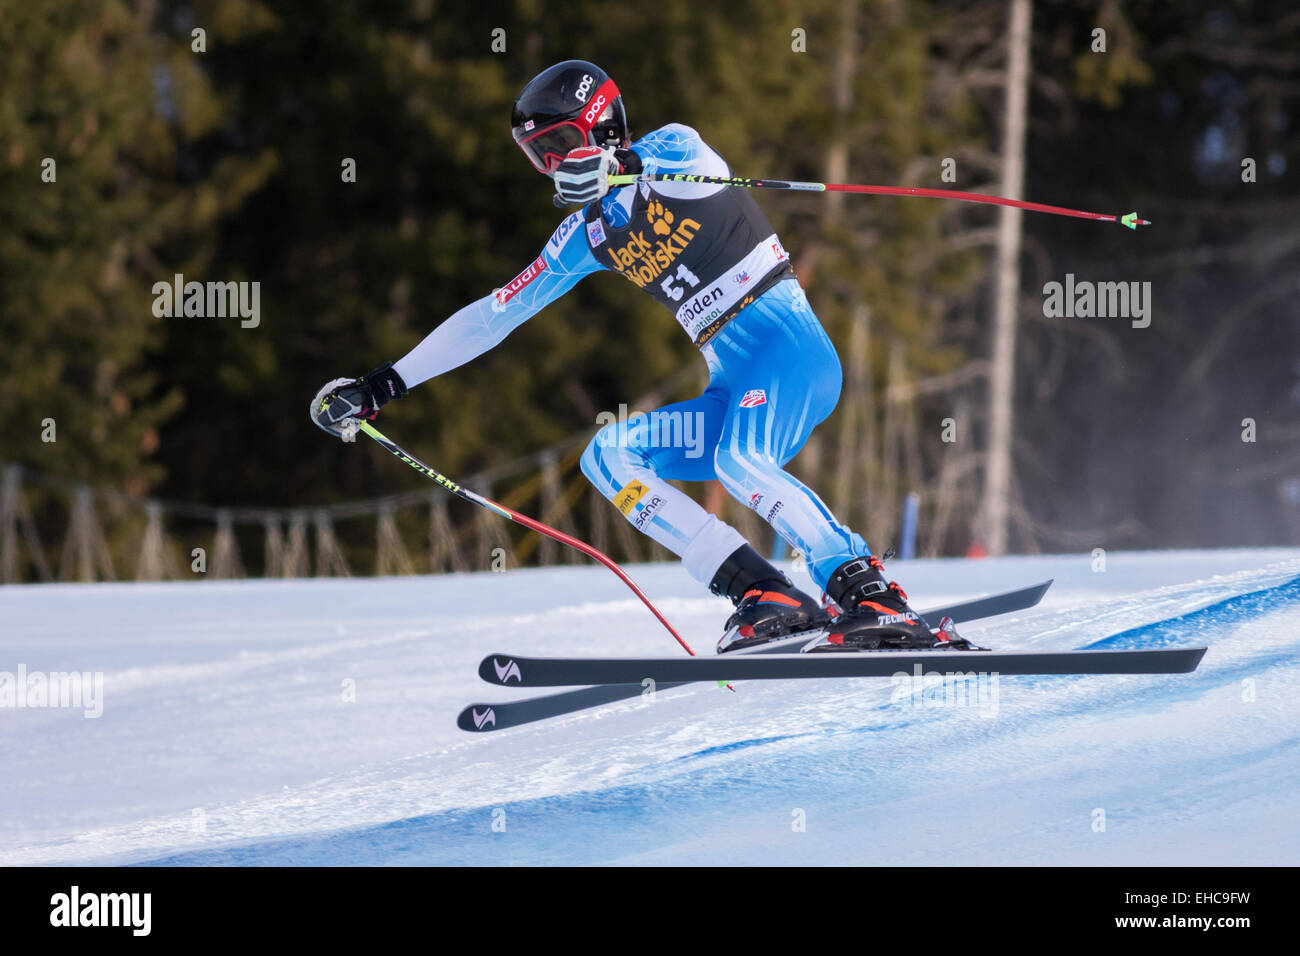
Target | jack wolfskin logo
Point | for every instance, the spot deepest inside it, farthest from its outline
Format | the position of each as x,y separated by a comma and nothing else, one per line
660,219
507,670
644,262
488,716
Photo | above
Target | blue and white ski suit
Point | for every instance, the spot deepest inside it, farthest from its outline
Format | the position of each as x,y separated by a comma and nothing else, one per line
773,373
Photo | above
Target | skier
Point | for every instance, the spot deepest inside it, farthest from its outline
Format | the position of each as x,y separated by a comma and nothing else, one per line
708,253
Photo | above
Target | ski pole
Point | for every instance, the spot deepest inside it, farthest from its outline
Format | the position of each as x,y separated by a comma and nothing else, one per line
531,523
1131,219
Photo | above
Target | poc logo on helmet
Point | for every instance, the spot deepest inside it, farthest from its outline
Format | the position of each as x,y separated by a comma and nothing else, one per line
584,88
594,110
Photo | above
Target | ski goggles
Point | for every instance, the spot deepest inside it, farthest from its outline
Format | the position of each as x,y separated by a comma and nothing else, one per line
546,148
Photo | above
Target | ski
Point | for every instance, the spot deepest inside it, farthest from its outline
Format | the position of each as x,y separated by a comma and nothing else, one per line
994,604
478,718
483,717
507,670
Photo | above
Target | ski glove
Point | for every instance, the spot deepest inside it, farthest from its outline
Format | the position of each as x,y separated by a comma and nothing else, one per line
341,404
583,176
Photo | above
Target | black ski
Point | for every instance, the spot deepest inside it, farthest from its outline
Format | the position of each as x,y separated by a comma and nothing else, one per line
479,718
507,670
994,604
482,717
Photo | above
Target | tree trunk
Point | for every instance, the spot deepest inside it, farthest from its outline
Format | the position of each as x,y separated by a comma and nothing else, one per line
997,477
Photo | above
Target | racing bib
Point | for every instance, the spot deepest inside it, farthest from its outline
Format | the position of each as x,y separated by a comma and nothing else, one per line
703,259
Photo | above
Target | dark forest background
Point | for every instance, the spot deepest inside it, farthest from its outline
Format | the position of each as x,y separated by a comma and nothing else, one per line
225,165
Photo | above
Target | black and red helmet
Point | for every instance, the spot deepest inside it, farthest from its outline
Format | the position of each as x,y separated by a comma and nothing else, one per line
571,104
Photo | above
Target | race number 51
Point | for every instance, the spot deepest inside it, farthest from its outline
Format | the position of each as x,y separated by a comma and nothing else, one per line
684,275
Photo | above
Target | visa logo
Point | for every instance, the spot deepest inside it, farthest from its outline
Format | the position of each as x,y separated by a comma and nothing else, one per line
564,232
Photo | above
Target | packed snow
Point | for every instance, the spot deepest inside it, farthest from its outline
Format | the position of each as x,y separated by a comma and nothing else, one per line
313,722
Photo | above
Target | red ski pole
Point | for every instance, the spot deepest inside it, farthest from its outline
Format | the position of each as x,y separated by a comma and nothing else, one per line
531,523
1130,219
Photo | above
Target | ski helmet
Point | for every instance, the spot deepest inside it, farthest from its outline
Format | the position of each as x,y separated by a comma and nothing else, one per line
571,104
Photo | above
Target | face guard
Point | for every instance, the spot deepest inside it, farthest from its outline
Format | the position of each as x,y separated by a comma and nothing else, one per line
600,123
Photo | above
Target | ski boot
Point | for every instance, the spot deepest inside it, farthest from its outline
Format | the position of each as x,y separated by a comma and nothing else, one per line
768,605
874,615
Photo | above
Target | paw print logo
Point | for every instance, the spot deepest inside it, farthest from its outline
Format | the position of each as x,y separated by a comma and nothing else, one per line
660,219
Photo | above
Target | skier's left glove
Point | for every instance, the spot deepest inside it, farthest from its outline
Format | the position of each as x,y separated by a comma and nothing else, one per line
340,405
583,176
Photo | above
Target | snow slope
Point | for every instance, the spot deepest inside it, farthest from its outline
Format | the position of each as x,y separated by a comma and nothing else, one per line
226,737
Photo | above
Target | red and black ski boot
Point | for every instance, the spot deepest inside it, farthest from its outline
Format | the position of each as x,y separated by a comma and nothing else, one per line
768,605
874,614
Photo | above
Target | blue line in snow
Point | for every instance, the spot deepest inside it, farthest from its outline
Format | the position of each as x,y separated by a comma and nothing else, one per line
1203,625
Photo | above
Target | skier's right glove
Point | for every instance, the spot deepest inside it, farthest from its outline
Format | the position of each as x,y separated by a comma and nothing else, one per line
341,404
584,174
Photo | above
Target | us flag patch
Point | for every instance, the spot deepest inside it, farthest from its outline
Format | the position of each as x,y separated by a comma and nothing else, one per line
753,398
